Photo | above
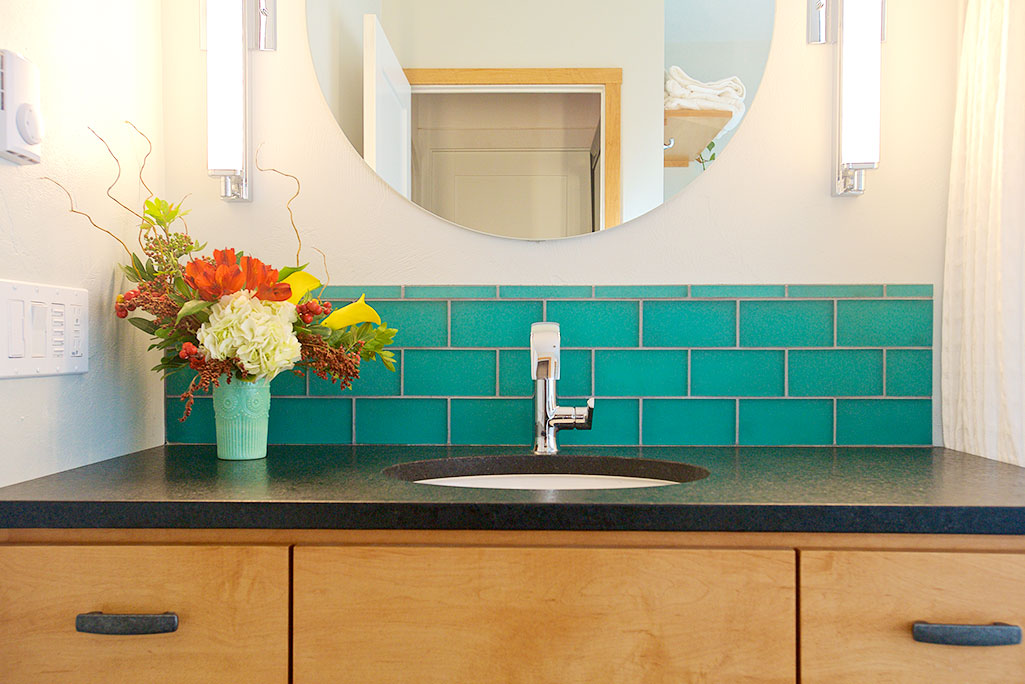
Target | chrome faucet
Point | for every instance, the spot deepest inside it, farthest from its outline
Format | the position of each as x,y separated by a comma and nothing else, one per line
545,347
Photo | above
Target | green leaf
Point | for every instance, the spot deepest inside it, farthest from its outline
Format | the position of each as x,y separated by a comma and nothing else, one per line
140,269
129,273
289,270
711,146
193,307
712,158
144,325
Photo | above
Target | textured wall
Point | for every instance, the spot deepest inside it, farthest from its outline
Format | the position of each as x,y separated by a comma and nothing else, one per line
100,63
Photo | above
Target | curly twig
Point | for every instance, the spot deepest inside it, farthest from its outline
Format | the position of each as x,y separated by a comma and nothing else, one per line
74,210
143,166
288,204
116,161
327,273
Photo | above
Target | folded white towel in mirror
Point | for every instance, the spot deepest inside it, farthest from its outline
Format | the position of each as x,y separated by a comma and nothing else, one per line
684,92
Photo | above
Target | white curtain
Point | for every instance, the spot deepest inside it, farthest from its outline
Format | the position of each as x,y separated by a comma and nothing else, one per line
983,330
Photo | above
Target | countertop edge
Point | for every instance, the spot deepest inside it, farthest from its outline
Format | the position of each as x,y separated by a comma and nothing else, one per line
684,517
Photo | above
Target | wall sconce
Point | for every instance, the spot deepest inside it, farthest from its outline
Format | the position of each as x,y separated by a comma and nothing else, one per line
233,28
858,28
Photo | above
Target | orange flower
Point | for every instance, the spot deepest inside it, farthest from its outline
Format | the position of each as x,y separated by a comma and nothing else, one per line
227,275
263,280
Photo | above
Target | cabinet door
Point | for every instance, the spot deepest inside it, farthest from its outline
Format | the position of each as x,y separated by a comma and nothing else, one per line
231,604
858,608
451,615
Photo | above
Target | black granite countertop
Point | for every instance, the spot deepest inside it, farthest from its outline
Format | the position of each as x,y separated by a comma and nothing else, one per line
751,489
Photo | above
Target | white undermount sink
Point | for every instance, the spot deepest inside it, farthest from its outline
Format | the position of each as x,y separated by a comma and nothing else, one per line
547,473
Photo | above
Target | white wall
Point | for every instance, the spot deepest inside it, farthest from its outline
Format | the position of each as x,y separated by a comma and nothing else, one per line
761,214
100,64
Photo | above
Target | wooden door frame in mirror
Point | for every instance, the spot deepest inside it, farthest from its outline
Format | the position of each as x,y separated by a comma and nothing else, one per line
611,80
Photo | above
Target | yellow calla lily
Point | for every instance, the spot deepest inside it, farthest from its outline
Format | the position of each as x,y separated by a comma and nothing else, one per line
357,312
301,282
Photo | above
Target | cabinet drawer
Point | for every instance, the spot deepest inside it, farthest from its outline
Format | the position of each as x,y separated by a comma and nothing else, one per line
438,615
231,603
858,608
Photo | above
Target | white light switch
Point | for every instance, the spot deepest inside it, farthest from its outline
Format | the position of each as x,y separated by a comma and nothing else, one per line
38,330
47,330
15,328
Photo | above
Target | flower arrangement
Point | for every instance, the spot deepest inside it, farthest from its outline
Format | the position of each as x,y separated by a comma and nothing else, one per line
230,316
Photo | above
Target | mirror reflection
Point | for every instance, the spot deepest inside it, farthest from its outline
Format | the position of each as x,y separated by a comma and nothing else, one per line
535,119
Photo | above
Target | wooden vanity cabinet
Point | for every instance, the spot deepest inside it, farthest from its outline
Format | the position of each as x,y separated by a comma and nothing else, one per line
858,608
437,615
231,604
436,607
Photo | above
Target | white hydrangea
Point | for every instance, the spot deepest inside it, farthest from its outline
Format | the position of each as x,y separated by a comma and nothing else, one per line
258,333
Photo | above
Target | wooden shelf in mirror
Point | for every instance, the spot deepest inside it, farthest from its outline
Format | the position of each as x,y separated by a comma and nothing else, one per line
692,130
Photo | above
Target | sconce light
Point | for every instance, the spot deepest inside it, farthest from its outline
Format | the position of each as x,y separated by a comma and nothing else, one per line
858,28
233,27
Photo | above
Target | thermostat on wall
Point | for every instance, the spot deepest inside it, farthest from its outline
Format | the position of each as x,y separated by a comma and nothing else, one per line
21,124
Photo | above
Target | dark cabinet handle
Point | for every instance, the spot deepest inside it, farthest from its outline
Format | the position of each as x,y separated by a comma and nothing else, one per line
112,623
996,634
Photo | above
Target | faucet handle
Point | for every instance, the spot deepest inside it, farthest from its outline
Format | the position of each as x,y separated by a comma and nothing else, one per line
589,416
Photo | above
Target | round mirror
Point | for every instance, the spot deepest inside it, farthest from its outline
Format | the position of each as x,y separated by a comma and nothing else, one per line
539,119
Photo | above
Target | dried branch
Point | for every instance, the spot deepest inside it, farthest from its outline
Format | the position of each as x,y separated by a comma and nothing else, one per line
327,274
143,166
288,204
74,210
109,189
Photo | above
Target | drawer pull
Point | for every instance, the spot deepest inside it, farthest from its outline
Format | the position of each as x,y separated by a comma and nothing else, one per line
996,634
112,623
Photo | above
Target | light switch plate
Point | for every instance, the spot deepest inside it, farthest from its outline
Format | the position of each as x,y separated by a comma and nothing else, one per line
44,330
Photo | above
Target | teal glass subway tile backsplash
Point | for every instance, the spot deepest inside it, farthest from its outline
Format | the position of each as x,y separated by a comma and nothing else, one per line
690,324
668,365
786,324
596,323
491,324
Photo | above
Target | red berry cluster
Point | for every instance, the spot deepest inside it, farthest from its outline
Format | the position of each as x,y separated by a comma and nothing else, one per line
191,352
312,308
123,304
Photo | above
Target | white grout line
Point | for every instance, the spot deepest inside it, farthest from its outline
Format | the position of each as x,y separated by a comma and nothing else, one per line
786,372
498,373
594,384
690,365
885,381
736,420
640,422
448,323
402,372
737,324
640,323
834,421
836,311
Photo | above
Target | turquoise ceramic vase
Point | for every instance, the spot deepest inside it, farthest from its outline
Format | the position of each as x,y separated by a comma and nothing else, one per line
241,413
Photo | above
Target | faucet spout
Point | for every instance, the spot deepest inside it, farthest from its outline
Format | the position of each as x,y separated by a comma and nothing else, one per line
549,417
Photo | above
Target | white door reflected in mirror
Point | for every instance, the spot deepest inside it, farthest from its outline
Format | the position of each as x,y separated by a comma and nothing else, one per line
537,119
